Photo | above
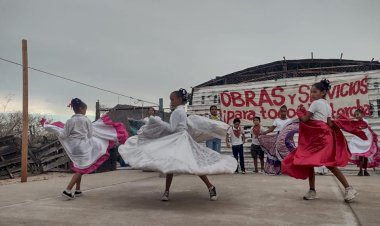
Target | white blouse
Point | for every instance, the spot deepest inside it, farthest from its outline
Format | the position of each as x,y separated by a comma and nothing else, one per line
234,139
178,119
279,124
78,126
321,110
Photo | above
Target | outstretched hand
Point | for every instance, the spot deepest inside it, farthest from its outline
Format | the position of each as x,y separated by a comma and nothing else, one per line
43,121
301,107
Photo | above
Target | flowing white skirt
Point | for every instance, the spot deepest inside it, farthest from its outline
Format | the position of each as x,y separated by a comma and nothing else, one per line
156,148
358,146
88,154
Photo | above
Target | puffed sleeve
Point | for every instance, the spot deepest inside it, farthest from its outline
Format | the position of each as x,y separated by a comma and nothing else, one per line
66,130
314,107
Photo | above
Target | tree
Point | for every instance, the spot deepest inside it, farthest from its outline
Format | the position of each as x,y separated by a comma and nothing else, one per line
11,123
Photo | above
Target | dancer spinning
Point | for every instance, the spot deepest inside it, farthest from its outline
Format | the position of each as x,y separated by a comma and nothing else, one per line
321,142
86,144
279,123
365,153
268,142
173,148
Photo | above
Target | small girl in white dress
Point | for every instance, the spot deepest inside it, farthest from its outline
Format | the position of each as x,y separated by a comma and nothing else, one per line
173,147
87,144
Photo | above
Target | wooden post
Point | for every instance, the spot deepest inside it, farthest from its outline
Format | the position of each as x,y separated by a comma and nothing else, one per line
142,110
25,120
97,111
161,108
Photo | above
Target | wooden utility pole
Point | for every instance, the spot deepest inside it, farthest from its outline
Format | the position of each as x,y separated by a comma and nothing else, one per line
161,108
25,118
97,111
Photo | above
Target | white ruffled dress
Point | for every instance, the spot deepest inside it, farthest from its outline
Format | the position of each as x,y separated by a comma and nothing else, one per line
87,144
174,147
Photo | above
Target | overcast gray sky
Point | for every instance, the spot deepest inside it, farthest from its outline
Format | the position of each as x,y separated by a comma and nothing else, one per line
146,49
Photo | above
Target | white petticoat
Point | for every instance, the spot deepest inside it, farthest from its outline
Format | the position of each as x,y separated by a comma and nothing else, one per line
359,146
157,148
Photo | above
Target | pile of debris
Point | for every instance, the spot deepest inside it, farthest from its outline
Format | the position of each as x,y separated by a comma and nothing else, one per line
47,156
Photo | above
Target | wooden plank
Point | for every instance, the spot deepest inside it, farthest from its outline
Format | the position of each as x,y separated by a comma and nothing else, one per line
47,152
59,162
6,168
15,175
6,139
63,170
50,158
14,171
37,166
9,150
10,162
53,143
4,147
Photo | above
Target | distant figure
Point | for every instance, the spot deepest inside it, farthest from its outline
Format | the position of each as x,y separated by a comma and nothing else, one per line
236,133
256,150
151,113
215,143
279,123
365,153
273,164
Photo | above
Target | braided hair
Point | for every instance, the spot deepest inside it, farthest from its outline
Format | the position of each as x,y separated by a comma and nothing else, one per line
182,93
323,85
77,104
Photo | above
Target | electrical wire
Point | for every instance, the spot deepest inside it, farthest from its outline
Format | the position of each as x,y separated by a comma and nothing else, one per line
81,83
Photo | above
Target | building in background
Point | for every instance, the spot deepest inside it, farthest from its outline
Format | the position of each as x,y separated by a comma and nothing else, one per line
264,88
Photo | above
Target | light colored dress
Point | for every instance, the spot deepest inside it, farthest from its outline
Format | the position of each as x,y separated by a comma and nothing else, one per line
174,147
87,144
365,148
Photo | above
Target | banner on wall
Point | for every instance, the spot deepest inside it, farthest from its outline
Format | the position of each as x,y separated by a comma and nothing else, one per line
345,96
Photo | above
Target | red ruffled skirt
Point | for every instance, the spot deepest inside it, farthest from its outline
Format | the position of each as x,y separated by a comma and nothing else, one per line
318,145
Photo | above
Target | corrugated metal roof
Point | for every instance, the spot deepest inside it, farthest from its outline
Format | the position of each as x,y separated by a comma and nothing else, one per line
293,68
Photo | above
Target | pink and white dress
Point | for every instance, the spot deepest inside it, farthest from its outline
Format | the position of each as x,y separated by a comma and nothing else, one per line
365,148
87,144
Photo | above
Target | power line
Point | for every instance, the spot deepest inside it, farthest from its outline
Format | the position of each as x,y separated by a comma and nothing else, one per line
82,83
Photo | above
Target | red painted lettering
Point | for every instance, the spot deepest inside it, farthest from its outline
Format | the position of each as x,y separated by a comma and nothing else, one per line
237,101
265,98
249,98
292,98
342,93
304,90
281,100
364,86
225,99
